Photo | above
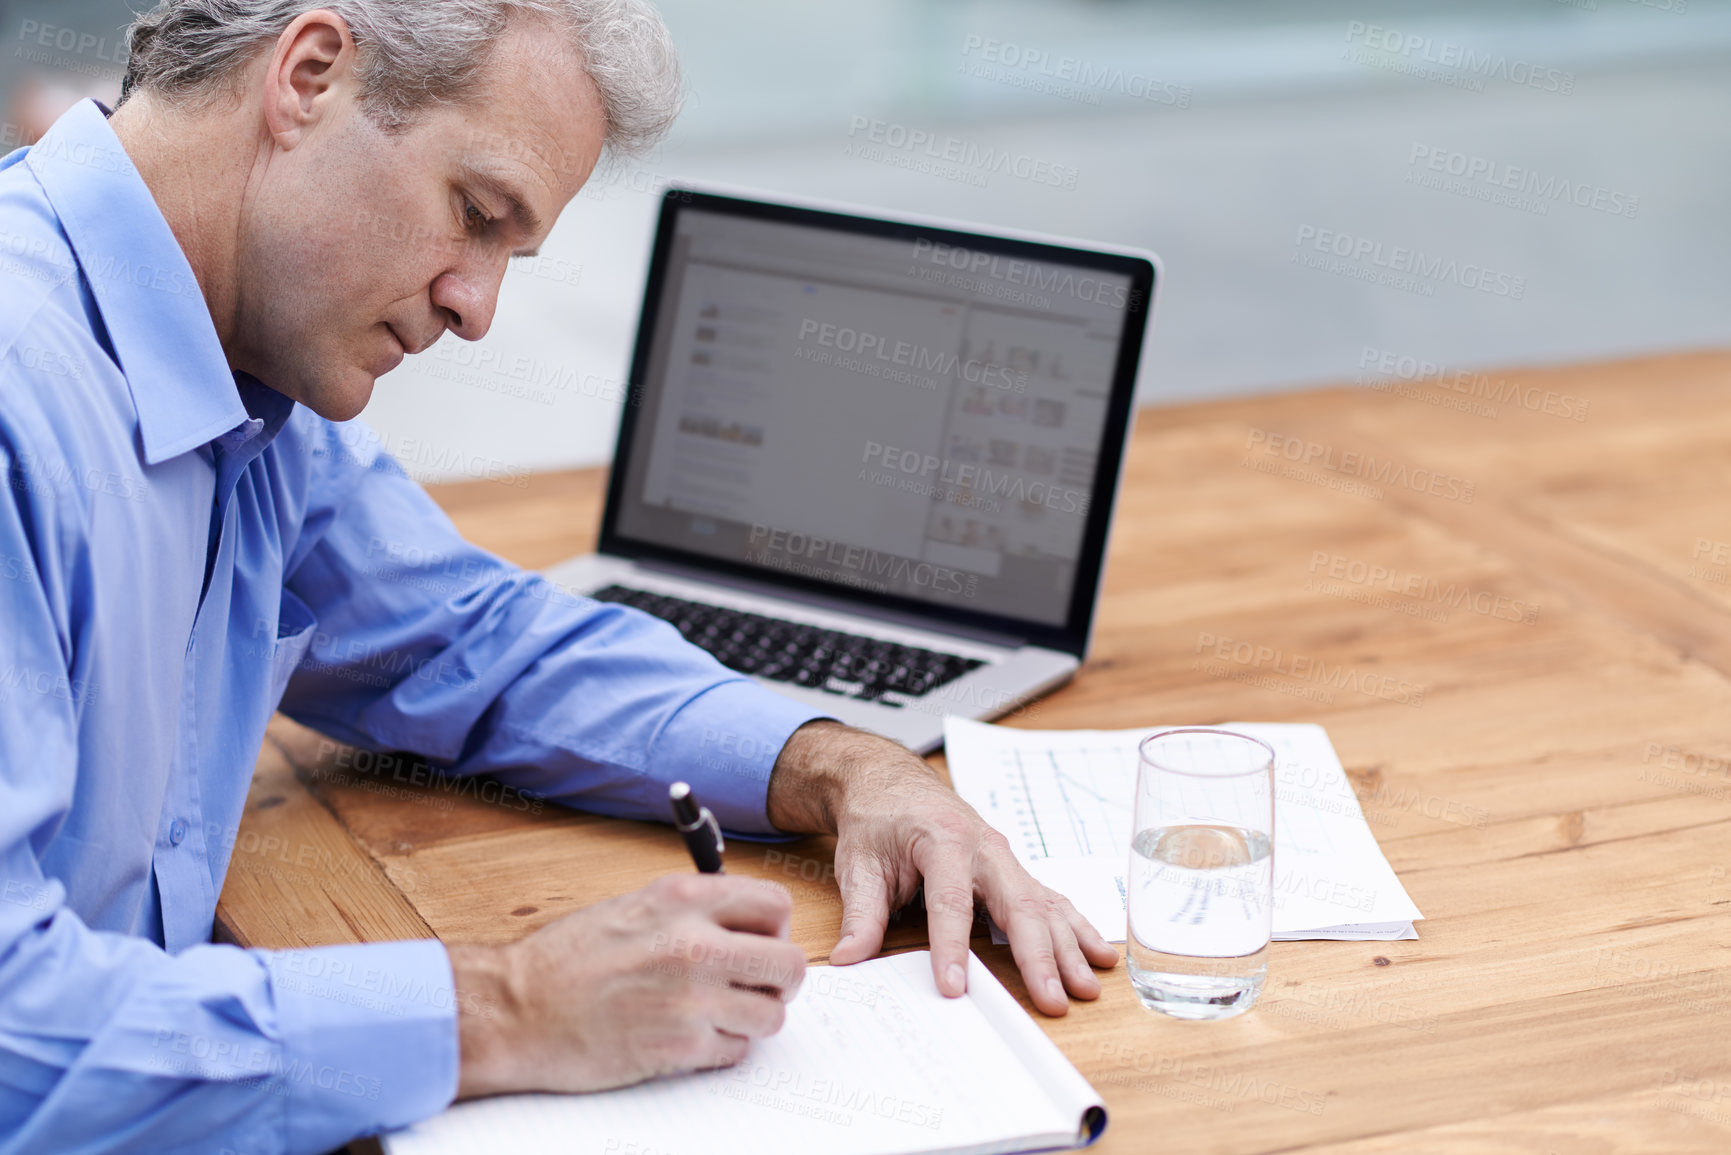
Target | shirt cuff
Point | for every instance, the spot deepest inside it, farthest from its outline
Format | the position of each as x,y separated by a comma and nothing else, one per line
369,1037
725,743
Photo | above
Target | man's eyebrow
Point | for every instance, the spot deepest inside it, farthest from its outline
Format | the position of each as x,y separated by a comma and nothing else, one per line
528,221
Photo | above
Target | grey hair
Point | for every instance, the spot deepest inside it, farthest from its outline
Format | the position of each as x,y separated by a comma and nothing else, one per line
416,53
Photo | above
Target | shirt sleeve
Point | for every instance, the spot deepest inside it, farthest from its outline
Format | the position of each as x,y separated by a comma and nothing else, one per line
109,1043
425,643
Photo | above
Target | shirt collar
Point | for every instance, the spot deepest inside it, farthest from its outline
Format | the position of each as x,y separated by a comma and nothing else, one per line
150,301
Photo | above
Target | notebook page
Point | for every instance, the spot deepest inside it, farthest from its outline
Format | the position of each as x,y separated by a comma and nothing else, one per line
1036,1052
1063,799
872,1061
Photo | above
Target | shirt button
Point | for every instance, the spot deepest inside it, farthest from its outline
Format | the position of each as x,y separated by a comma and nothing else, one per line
177,833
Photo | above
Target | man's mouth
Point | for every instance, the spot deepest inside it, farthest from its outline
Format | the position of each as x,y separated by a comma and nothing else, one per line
410,348
393,356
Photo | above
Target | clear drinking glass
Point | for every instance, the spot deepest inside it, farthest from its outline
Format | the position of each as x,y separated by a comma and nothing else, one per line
1202,872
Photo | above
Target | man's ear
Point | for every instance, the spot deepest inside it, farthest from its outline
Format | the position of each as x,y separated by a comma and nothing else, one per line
311,70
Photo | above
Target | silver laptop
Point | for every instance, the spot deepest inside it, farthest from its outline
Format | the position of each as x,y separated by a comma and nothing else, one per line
871,461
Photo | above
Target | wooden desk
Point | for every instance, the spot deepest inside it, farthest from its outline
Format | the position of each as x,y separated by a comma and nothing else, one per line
1557,801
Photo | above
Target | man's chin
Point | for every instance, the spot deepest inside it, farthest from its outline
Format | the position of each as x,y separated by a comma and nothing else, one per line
346,403
341,400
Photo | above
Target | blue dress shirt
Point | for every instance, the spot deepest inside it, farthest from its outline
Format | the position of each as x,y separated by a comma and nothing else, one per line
181,550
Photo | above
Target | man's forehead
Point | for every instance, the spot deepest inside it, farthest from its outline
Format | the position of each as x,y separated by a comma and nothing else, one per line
538,105
493,149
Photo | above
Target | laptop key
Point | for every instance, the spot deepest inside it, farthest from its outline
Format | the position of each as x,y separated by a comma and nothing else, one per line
859,667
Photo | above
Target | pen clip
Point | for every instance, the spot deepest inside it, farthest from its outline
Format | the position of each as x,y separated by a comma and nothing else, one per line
705,818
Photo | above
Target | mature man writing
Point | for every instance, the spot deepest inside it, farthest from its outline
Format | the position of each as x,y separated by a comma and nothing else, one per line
190,300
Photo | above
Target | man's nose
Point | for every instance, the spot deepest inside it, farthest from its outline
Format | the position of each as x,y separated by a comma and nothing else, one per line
468,301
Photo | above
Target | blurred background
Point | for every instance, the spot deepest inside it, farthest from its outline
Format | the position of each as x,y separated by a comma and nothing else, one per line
1576,151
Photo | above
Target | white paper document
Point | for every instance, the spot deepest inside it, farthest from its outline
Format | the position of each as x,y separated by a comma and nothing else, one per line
871,1061
1063,798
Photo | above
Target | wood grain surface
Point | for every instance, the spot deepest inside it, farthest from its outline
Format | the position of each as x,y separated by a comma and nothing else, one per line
1527,579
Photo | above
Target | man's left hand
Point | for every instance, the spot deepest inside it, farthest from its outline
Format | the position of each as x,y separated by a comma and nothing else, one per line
898,826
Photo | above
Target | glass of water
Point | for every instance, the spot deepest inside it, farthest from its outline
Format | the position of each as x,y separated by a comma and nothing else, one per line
1202,872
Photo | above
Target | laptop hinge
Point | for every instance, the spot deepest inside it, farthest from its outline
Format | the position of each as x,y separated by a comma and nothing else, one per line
832,604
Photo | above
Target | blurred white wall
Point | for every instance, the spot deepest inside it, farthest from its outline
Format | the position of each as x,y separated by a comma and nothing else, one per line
1267,124
1232,136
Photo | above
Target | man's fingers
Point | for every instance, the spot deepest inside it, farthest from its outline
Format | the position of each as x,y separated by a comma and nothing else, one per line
865,912
949,918
722,1050
1054,946
748,1014
1076,945
774,965
1094,946
1036,955
1079,977
754,905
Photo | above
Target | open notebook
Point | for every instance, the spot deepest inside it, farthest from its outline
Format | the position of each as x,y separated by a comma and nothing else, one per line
872,1061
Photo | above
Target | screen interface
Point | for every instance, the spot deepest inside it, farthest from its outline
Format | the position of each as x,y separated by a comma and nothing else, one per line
904,416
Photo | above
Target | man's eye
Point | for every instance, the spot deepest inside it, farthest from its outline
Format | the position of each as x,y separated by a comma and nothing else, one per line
474,218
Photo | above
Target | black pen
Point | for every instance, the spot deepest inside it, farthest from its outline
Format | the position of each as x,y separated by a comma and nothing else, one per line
702,833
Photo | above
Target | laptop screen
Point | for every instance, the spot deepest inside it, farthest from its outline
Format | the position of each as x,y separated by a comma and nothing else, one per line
904,413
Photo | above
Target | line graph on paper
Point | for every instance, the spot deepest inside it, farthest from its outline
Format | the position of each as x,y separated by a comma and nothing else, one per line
1073,799
1072,806
1065,802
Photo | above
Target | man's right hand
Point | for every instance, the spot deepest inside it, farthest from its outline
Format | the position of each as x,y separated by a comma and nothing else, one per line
678,976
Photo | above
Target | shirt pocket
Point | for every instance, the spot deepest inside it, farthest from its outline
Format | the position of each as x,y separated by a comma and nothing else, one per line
294,636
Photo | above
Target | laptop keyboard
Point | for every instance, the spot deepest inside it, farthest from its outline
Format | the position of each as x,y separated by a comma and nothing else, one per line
783,651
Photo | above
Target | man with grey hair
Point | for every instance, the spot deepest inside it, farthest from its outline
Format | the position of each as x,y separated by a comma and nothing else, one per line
196,296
